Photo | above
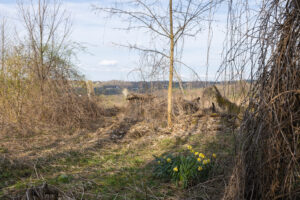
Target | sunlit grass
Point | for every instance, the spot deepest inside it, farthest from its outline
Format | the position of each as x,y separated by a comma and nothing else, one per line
114,170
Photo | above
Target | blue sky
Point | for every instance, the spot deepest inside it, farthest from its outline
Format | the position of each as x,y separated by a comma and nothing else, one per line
105,61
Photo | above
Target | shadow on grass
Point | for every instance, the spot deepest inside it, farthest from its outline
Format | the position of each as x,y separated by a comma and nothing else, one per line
126,172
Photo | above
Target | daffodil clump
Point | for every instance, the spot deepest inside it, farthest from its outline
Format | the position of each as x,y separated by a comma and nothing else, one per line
185,169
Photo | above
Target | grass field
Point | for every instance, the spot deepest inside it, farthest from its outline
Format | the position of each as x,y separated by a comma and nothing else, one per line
90,164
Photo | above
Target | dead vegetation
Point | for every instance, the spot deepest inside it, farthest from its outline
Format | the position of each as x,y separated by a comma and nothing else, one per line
56,144
37,76
267,166
141,125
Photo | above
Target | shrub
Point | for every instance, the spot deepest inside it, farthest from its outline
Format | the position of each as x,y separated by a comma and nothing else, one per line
185,169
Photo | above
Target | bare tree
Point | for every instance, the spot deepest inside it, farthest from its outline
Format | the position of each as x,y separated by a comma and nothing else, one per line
48,28
3,43
166,21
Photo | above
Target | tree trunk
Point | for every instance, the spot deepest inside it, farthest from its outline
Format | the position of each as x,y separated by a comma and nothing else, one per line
171,67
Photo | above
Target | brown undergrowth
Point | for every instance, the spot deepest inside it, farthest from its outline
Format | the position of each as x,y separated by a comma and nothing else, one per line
267,166
115,159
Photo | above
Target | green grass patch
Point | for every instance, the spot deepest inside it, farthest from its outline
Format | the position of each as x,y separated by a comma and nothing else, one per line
121,171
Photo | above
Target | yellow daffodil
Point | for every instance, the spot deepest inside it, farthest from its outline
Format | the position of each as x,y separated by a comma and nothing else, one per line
199,159
214,155
189,147
200,168
169,160
201,155
196,153
206,161
175,169
192,151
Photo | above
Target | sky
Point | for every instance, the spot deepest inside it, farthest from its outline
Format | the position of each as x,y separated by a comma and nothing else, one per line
103,60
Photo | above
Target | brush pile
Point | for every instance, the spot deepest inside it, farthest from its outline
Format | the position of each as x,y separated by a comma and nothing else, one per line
268,165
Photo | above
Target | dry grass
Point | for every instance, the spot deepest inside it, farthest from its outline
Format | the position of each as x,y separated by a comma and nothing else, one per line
115,159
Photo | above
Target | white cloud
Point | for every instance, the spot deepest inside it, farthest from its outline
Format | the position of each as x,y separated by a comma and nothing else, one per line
108,62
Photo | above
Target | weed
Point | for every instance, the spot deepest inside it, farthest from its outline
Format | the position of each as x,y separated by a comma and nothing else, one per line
64,178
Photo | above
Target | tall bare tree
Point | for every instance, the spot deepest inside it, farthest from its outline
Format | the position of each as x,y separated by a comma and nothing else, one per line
166,21
48,28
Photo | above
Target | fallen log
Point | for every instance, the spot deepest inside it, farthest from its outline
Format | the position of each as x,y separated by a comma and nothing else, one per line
139,97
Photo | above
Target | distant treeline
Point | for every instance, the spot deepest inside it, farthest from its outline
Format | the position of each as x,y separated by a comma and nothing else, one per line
116,87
